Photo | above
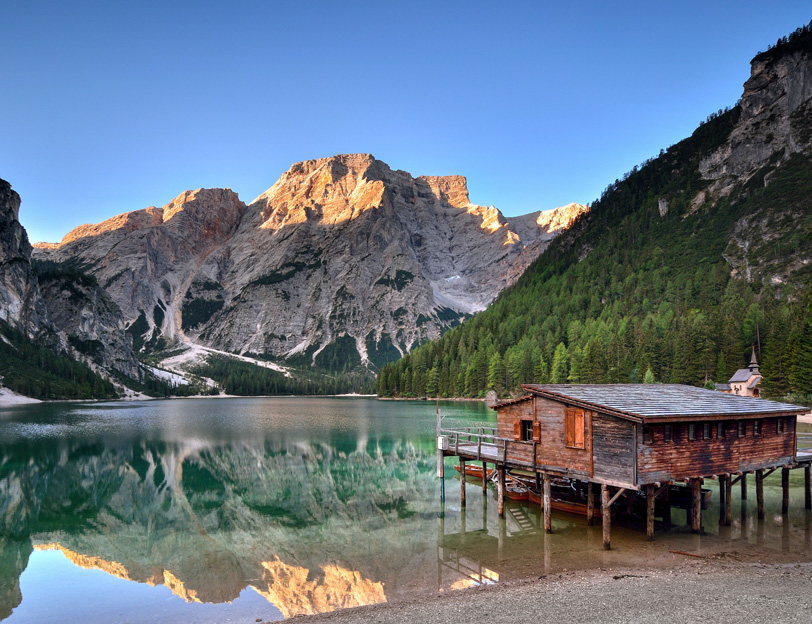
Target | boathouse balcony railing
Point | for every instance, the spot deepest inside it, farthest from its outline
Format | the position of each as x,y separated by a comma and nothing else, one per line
804,441
482,443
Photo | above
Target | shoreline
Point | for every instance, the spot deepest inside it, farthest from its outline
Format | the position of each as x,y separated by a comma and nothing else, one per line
701,590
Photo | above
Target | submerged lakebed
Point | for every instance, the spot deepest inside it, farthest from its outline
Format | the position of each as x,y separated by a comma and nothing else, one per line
204,510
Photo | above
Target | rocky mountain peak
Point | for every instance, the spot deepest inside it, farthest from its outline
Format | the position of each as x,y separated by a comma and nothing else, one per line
453,189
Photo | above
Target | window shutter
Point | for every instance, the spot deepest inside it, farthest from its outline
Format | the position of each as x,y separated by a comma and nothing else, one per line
536,431
569,428
517,429
579,433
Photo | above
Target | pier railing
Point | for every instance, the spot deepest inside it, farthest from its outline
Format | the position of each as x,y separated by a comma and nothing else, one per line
482,443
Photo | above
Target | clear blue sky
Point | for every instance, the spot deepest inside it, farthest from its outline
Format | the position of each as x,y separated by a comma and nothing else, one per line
114,106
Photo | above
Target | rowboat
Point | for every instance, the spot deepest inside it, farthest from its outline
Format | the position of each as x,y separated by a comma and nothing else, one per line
474,470
565,505
516,492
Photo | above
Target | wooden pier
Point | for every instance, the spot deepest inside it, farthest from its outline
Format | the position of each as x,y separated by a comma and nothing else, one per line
632,441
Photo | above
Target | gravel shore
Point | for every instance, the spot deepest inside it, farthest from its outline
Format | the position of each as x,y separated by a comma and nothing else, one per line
696,591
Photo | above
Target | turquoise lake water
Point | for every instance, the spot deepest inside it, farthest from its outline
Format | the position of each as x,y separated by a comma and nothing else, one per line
214,510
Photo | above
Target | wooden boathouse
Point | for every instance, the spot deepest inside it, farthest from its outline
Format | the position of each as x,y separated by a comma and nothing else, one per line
636,438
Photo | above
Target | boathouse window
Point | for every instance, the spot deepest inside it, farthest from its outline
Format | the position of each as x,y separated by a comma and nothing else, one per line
742,428
527,430
706,431
756,427
574,425
668,433
691,431
720,430
646,435
779,426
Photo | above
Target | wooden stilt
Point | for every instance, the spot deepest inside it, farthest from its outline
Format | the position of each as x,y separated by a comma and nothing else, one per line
807,488
590,504
500,490
785,491
650,511
607,517
462,482
484,477
538,482
548,507
744,486
728,499
696,507
760,494
722,498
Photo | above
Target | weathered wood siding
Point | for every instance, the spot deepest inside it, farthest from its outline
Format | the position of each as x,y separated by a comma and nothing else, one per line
683,458
552,450
613,449
506,419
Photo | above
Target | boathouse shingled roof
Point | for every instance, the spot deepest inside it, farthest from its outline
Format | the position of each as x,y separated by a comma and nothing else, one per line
651,402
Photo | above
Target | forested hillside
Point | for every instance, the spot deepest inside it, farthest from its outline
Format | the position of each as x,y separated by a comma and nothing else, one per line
673,276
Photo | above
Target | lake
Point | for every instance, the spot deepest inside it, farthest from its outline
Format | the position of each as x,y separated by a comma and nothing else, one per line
213,510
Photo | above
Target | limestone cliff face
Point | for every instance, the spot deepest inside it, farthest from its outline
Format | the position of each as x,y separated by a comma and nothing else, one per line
342,254
92,323
147,259
21,304
775,117
772,140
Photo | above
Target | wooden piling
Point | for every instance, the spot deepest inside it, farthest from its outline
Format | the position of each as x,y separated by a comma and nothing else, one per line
607,517
722,498
548,506
760,494
743,483
728,499
785,490
500,489
807,488
484,477
590,504
462,482
629,502
696,507
650,511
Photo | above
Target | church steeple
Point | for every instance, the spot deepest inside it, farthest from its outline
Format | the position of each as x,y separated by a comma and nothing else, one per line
753,366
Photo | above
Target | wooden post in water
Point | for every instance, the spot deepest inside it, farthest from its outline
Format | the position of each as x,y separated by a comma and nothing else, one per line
722,498
607,517
484,477
440,457
500,489
785,490
744,486
728,499
629,502
760,494
548,504
462,482
650,511
696,506
807,488
538,482
590,504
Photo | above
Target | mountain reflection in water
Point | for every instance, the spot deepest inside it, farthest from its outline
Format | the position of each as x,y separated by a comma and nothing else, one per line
316,518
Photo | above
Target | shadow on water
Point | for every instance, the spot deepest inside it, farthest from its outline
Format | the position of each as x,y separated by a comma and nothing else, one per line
271,508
